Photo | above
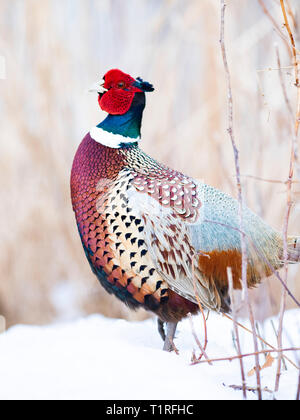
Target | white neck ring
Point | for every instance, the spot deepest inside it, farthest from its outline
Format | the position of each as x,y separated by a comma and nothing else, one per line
110,139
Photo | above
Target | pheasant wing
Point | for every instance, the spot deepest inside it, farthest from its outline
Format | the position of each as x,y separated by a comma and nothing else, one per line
192,232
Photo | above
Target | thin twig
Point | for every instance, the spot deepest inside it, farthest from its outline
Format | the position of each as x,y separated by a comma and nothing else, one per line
294,50
249,388
236,331
289,10
291,114
231,358
296,66
262,340
200,307
276,335
283,87
289,203
279,68
197,339
276,26
272,181
240,192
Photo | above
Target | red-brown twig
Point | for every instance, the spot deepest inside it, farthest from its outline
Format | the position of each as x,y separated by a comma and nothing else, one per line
294,50
240,192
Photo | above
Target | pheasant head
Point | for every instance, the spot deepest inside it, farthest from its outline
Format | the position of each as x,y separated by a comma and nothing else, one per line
117,91
123,98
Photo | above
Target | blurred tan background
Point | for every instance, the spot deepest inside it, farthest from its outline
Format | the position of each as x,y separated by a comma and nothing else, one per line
53,51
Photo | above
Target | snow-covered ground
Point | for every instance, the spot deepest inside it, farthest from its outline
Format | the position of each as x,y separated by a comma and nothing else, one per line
100,358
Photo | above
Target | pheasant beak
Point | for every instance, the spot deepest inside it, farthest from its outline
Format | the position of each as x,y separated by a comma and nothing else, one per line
98,87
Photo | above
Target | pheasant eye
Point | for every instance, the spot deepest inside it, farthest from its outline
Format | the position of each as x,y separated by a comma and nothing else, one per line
120,85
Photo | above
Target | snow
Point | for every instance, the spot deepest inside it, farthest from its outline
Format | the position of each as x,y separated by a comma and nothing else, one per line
101,358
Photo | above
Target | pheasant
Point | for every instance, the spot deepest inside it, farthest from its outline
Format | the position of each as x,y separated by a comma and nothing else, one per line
154,237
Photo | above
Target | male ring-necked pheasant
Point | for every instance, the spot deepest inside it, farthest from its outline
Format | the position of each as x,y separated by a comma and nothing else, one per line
153,236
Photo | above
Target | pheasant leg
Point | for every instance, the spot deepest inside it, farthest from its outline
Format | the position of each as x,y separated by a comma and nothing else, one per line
161,330
169,343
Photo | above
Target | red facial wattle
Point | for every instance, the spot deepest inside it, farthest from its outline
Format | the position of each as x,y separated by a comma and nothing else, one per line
120,92
116,102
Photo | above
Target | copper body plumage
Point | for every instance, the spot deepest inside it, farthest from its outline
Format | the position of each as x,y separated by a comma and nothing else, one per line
112,233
